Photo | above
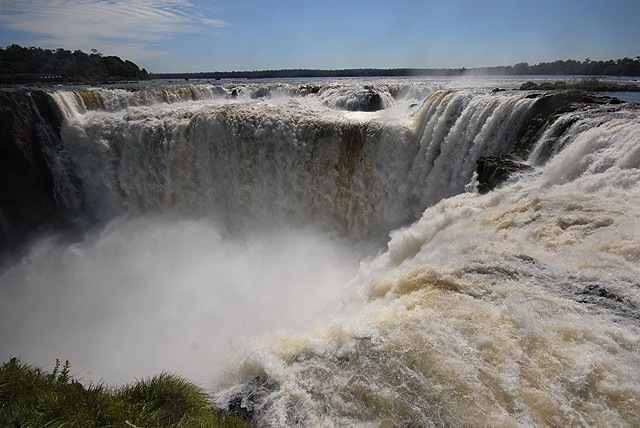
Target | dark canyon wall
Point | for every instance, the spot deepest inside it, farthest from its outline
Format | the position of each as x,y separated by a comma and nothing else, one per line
27,200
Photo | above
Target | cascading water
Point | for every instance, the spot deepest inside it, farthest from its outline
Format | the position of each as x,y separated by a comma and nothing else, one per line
294,157
225,211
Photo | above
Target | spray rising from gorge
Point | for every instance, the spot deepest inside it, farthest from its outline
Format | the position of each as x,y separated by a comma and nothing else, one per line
255,217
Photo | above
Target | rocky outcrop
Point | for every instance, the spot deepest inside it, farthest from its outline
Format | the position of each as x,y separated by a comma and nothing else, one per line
495,170
371,101
27,200
547,108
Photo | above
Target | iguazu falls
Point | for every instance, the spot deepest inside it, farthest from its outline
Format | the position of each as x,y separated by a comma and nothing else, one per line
412,252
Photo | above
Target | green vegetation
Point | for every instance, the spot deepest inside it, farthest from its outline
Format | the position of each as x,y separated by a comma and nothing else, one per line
30,397
310,73
31,65
589,85
620,67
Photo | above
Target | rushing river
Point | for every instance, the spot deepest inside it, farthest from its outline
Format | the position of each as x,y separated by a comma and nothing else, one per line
317,254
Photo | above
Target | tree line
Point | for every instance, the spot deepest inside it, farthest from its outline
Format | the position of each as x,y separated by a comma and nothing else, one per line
620,67
30,65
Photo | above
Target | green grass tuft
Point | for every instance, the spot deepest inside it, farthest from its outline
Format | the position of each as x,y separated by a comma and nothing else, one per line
30,397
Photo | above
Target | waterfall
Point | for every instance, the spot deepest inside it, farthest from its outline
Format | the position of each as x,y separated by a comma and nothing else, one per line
298,157
317,253
68,192
518,307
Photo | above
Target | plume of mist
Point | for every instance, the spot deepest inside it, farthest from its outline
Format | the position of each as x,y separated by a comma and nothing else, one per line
146,295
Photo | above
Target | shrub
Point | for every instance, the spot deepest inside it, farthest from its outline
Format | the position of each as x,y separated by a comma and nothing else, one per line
30,397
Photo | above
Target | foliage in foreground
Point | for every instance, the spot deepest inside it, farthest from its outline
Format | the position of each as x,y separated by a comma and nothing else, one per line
590,85
31,397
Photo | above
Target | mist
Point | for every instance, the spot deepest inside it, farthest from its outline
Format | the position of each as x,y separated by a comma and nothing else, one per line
147,295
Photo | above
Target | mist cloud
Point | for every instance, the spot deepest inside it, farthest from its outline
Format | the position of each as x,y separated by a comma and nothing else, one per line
148,295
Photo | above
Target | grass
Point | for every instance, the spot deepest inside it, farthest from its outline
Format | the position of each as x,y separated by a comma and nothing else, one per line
591,85
31,397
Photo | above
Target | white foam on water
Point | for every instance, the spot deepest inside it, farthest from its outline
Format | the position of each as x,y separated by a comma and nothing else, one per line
518,307
245,222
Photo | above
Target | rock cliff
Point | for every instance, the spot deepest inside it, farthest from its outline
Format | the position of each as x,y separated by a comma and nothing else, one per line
27,200
494,170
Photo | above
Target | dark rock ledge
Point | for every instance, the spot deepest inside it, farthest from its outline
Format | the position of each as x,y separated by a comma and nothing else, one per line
495,170
27,200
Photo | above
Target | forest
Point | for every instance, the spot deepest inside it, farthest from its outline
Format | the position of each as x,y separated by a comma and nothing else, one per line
621,67
20,65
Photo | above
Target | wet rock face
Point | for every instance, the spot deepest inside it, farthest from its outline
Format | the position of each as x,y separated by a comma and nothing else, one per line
371,101
27,199
495,170
549,107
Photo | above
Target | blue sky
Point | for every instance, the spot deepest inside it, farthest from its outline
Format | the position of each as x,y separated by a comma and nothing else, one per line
223,35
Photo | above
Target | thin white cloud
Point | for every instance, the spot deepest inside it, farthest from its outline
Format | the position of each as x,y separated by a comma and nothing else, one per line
129,25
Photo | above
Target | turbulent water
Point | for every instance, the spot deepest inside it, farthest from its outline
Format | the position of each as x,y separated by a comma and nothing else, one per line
317,255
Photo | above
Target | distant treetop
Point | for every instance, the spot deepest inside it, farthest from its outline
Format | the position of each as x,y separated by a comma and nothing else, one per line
29,65
620,67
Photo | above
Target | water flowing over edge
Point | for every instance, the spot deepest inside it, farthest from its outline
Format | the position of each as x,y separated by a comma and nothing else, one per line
514,307
303,156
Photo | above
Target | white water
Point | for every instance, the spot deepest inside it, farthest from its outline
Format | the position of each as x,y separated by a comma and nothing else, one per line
220,220
151,294
246,159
